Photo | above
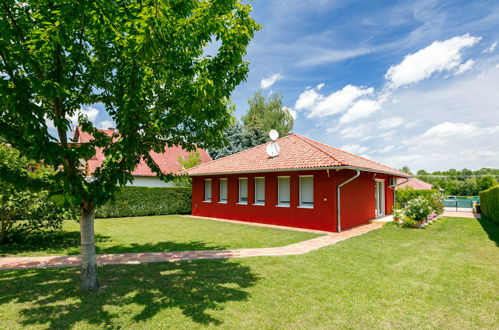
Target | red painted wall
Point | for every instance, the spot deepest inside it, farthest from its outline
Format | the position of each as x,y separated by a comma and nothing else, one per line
357,200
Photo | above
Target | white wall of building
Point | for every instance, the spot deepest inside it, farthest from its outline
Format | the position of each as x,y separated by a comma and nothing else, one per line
149,181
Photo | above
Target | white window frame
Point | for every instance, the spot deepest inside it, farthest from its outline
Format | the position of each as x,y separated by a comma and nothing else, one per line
279,194
211,191
220,201
241,202
306,206
256,202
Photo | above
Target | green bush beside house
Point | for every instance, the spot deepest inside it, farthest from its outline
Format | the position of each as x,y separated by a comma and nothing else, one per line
144,201
489,203
402,196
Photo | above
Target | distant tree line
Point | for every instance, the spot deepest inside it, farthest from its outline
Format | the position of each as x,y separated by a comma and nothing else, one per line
463,182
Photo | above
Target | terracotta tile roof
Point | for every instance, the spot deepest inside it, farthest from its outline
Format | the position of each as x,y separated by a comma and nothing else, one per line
167,161
416,184
297,152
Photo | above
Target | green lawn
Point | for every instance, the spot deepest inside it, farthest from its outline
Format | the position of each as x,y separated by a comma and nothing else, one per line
444,276
155,234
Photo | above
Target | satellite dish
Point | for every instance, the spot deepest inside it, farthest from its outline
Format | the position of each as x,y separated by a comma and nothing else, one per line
273,149
273,134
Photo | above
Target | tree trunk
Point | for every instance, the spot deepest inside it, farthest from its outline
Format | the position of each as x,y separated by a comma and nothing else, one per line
88,263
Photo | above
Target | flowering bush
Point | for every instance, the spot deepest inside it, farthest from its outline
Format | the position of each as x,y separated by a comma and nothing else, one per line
435,202
398,214
418,209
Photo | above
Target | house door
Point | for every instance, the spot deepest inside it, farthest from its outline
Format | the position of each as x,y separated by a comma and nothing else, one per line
380,197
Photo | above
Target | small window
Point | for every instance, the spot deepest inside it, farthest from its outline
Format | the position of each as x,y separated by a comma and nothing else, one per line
283,191
223,191
207,190
307,191
243,190
259,191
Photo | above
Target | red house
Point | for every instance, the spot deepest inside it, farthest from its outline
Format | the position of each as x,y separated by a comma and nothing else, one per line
307,185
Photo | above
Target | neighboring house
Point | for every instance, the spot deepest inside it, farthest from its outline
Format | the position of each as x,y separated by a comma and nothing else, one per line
414,184
143,176
297,188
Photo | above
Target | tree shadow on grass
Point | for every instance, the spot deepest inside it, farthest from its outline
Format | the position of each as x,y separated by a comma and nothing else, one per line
166,246
128,294
48,241
491,228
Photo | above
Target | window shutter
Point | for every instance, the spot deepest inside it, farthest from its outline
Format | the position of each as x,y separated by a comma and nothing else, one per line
259,190
207,190
307,191
223,190
243,190
284,191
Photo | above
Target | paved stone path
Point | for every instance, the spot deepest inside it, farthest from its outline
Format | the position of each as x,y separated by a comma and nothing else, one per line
139,258
461,214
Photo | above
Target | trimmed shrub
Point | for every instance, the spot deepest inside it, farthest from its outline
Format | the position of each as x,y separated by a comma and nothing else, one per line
418,209
489,203
144,201
402,196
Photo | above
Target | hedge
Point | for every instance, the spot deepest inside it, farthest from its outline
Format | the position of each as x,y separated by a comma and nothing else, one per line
489,203
143,201
402,196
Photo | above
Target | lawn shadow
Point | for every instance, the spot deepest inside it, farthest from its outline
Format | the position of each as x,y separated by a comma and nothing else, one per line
165,246
47,241
128,294
491,228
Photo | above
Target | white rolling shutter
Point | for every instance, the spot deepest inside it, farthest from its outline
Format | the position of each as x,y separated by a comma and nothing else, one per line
243,190
260,191
223,191
207,190
307,191
283,191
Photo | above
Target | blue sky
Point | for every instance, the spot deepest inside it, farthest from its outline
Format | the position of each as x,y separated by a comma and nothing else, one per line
401,82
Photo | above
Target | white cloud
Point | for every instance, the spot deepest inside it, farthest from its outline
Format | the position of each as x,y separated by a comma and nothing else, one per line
360,131
319,105
390,122
308,98
267,82
491,48
291,111
437,57
386,149
360,109
354,148
412,124
465,67
105,124
329,56
386,135
90,112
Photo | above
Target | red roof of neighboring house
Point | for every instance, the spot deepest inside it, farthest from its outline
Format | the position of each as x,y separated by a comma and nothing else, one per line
416,184
167,161
297,152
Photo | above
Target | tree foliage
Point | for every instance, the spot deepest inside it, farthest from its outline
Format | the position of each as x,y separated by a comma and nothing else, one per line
25,207
144,61
406,169
239,138
263,115
192,159
268,113
463,182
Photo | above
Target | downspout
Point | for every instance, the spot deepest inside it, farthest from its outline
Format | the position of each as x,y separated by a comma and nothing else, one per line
338,198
